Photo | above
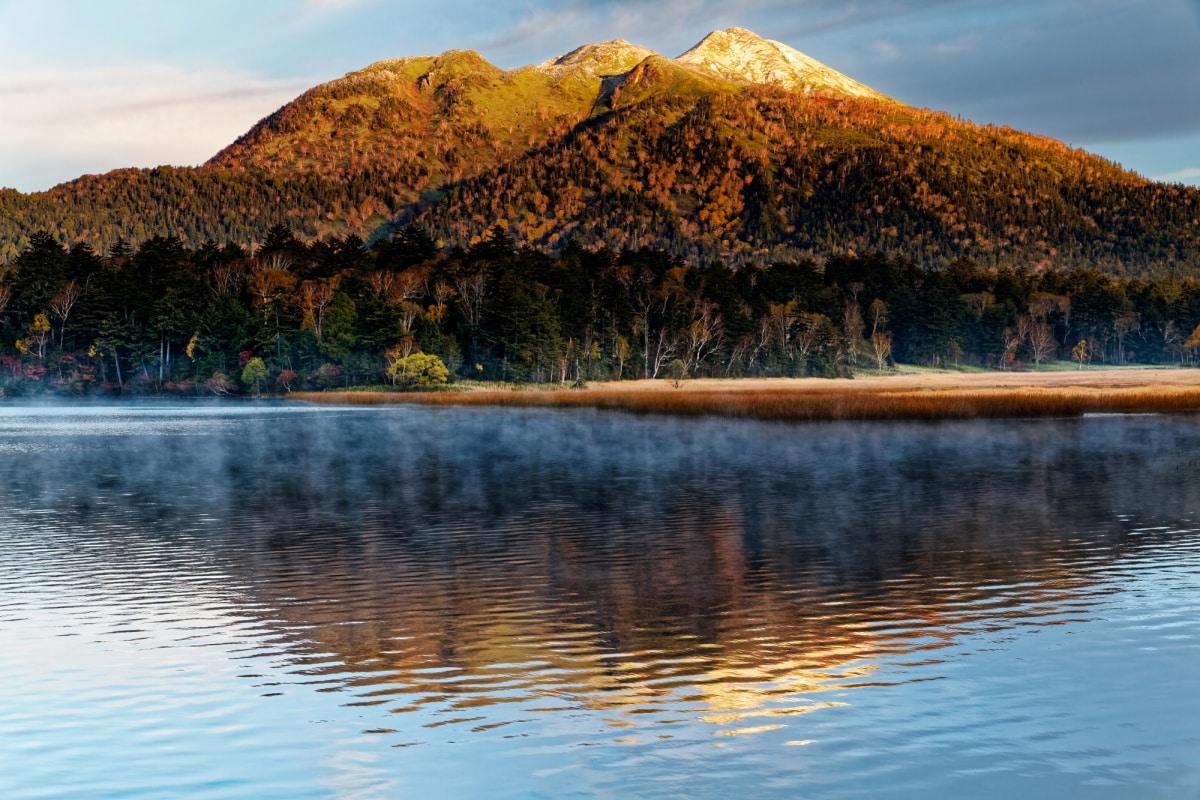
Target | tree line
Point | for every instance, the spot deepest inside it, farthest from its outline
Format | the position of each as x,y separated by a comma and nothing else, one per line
163,318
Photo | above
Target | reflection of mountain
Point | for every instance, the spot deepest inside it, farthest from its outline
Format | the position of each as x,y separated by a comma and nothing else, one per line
462,560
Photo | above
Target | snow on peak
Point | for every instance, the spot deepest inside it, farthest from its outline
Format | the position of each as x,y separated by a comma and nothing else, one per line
606,58
741,55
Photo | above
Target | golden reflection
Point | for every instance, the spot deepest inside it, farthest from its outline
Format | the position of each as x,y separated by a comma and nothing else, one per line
690,628
731,578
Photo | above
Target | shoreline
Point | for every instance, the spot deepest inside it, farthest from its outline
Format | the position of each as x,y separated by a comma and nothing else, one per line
898,396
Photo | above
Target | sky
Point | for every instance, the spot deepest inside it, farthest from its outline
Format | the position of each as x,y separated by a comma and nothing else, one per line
92,85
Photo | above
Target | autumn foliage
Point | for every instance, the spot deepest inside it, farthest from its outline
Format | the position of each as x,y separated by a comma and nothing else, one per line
655,158
336,313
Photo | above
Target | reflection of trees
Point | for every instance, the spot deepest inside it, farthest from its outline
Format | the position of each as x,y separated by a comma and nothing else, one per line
624,563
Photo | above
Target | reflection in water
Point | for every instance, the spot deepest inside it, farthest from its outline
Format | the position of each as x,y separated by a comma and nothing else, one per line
503,587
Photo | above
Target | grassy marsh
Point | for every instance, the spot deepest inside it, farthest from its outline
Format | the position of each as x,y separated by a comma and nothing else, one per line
919,397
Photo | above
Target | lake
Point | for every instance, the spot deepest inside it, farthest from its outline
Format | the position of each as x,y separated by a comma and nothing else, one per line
283,601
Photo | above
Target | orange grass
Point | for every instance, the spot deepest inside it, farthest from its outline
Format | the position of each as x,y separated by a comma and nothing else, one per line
816,404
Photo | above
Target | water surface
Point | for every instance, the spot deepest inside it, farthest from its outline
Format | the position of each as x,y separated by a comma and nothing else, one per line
265,601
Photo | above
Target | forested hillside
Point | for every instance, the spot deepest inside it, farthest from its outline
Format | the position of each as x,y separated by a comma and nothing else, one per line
218,319
762,173
612,146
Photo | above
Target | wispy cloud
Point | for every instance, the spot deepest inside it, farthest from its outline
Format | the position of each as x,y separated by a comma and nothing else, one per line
136,115
959,44
1100,71
669,26
311,7
1187,175
886,50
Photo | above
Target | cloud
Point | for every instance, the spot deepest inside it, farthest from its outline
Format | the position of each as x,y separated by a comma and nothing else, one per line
1187,175
839,28
887,50
1100,71
966,43
313,7
135,115
1110,70
558,27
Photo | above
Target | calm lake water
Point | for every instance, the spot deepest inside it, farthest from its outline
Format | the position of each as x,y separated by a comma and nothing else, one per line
288,602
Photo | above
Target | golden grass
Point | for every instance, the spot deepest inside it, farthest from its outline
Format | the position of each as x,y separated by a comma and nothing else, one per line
798,402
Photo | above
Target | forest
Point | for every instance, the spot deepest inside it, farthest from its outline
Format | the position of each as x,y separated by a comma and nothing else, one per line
163,318
752,175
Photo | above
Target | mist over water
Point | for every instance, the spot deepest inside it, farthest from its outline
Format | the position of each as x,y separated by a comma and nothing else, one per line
232,601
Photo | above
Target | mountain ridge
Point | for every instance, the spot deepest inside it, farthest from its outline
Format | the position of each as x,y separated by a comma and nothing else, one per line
739,149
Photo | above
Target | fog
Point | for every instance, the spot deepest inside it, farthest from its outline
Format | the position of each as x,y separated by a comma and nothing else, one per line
258,600
658,524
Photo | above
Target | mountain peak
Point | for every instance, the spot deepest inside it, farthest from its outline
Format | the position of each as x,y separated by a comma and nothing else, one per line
606,58
742,55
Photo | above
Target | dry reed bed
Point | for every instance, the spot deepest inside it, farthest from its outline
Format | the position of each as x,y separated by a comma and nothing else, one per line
824,404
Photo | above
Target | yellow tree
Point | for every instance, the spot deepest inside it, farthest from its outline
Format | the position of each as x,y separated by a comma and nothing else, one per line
271,286
1080,352
881,348
418,371
1192,344
39,332
254,373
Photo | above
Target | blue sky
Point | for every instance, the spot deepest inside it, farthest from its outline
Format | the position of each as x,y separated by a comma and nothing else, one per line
92,85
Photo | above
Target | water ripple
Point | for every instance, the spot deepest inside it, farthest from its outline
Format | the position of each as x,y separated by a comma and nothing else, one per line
264,602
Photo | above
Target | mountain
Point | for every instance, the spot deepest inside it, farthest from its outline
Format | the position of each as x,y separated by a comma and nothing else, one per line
739,149
739,55
592,61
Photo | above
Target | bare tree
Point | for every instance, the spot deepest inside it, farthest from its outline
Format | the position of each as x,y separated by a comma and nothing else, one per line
647,300
877,315
1012,339
411,285
565,359
880,339
383,282
665,348
441,294
471,292
227,279
274,261
704,335
766,333
781,317
1043,304
1171,337
881,348
814,333
315,299
852,333
1123,326
738,351
472,289
1040,338
409,314
62,303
